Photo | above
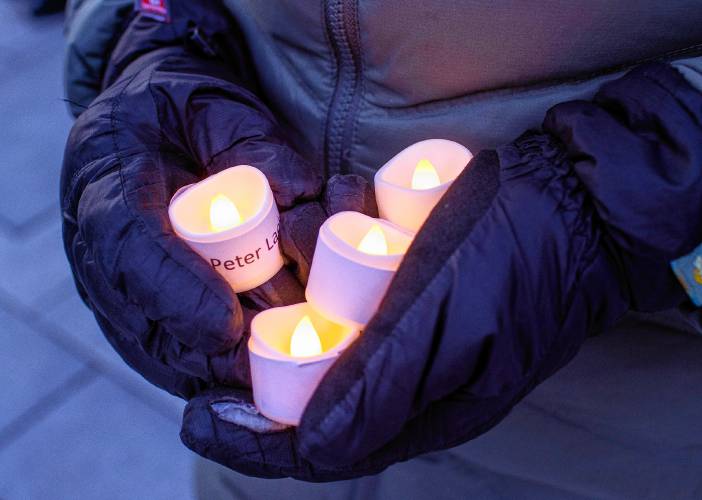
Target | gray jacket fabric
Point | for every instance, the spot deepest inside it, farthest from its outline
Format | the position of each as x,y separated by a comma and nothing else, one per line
357,81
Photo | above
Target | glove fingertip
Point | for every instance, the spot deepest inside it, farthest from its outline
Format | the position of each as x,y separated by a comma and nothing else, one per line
282,289
350,193
299,228
292,178
197,429
308,178
230,444
199,308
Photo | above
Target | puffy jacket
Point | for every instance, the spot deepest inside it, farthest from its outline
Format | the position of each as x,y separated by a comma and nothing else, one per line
357,81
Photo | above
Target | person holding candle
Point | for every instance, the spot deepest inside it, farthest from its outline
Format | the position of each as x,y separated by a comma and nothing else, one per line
538,243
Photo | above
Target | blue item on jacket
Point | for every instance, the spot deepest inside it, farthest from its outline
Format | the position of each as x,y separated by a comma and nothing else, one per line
688,270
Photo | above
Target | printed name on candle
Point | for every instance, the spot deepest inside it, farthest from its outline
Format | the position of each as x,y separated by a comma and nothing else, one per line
238,261
230,219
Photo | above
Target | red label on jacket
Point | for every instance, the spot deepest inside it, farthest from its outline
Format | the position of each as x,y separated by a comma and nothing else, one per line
155,9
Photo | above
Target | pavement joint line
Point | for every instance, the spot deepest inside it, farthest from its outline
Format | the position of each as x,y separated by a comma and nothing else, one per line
37,224
56,295
6,226
45,406
58,336
33,225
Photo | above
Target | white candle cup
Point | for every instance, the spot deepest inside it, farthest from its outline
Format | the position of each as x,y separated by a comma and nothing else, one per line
246,255
283,384
407,207
345,284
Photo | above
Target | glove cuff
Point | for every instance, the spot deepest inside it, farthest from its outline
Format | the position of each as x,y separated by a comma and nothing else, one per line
106,37
205,28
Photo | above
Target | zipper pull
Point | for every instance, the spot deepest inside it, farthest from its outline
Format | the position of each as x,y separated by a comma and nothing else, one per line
201,42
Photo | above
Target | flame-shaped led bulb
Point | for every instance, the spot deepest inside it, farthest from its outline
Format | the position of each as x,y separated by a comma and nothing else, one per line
223,214
305,341
374,242
425,175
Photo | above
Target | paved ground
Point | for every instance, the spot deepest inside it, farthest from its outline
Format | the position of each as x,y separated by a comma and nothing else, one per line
75,422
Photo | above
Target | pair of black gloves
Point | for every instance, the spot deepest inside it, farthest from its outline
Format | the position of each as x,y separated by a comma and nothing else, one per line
534,247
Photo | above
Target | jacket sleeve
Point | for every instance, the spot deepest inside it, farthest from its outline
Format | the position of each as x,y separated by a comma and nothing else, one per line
105,36
92,29
637,149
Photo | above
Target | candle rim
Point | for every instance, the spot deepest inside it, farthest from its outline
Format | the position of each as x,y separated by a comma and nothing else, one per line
341,246
261,348
214,237
379,177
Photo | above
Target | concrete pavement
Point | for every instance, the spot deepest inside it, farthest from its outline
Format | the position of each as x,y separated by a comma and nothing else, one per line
75,421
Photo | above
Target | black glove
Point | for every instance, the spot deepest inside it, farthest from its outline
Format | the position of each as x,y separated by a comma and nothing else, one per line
169,117
534,247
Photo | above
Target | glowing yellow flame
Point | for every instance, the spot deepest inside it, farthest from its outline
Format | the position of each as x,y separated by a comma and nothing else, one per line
425,176
223,214
305,340
374,242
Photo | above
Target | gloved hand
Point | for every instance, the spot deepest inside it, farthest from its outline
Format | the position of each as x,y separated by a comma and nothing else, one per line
170,116
534,247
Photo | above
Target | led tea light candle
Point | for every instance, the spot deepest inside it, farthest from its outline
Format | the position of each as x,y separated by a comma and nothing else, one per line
354,261
290,350
410,185
231,220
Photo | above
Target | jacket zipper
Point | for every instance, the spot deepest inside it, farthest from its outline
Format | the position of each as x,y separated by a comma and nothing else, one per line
341,17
